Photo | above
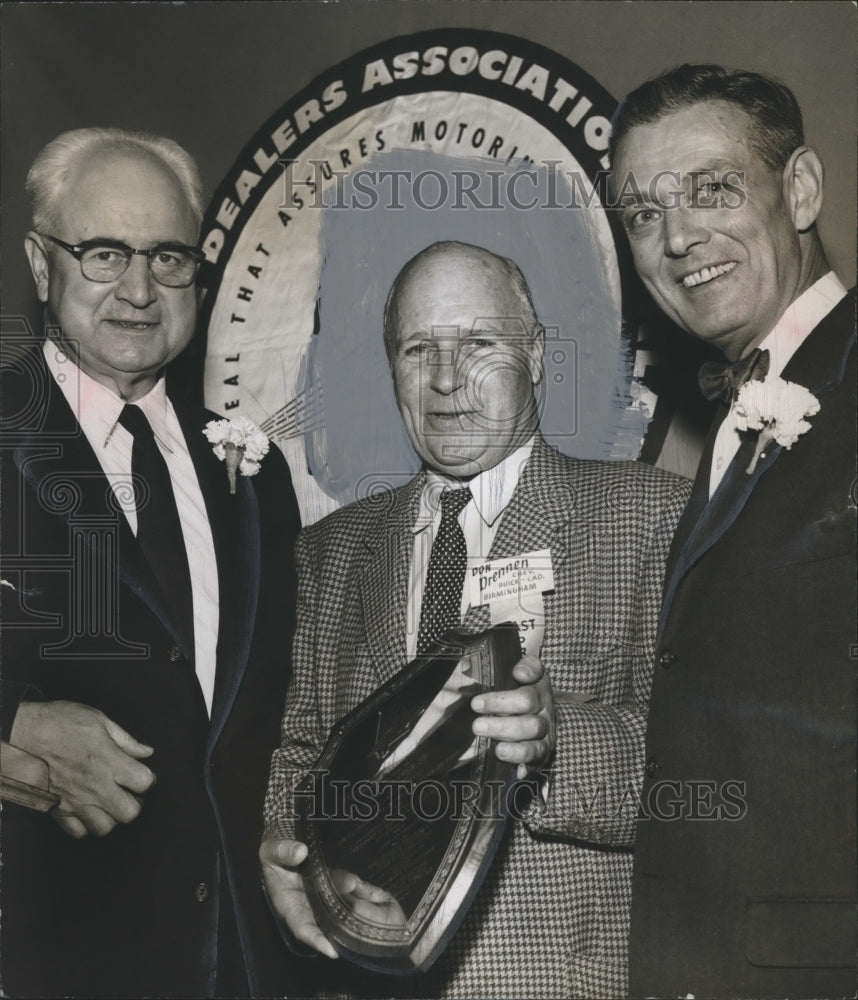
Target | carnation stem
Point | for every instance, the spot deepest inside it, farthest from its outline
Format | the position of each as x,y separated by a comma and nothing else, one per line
764,439
234,453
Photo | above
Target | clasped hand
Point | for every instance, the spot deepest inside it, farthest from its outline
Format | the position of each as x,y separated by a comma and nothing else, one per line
94,764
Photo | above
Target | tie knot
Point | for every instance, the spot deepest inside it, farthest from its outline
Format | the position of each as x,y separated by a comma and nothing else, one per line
134,420
721,380
453,502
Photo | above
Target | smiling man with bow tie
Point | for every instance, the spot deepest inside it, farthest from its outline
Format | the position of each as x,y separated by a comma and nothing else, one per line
146,609
755,668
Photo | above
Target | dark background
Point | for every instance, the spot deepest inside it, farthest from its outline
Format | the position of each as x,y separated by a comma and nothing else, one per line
208,75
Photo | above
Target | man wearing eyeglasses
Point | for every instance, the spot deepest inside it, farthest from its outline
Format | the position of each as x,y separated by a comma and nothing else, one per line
145,606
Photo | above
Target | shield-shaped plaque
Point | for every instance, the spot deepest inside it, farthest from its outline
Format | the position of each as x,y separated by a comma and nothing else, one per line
406,807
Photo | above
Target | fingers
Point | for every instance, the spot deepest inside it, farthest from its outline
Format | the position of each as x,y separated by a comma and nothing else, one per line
521,739
97,821
372,893
113,800
349,884
512,727
533,752
387,912
93,763
80,818
125,808
521,720
133,775
368,901
282,852
85,820
113,778
70,825
531,697
285,890
344,882
528,670
125,741
308,933
521,701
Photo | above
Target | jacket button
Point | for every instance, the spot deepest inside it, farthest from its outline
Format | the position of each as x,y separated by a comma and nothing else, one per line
652,767
667,658
201,892
174,654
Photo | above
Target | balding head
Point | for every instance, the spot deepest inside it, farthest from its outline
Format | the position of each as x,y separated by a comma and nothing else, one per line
62,159
486,267
465,349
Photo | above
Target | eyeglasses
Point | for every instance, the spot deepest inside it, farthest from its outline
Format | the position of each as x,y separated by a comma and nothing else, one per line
172,264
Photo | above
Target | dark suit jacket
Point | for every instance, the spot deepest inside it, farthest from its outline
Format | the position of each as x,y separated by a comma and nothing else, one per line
755,686
137,912
551,918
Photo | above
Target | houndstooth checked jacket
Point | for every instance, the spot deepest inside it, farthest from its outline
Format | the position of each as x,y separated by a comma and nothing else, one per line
551,918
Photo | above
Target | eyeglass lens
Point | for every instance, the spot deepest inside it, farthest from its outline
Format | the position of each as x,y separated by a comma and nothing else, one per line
168,267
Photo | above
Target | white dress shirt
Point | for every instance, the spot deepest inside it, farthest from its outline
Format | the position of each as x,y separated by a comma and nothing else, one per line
491,491
789,333
96,408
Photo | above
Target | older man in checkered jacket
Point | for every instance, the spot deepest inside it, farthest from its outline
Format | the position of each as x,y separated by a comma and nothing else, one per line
551,917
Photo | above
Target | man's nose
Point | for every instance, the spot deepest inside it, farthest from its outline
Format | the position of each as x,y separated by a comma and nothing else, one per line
683,230
444,368
136,285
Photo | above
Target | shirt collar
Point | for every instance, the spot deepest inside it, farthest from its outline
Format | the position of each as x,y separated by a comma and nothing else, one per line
800,318
492,489
96,408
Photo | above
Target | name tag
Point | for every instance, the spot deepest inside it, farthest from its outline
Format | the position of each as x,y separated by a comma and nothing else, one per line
513,589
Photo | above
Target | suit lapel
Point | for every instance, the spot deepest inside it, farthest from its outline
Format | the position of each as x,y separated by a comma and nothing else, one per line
819,365
529,522
680,550
720,512
532,518
699,493
384,582
234,523
57,462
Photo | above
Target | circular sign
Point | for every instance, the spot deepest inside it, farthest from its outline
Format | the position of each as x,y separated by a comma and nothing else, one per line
444,135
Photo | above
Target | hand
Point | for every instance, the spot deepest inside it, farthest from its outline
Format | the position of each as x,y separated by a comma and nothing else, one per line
522,720
285,889
94,764
368,901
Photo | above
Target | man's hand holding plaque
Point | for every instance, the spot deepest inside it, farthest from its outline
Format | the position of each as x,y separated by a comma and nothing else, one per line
522,720
521,723
284,885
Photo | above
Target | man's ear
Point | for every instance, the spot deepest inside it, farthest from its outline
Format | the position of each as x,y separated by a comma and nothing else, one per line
37,255
536,353
803,180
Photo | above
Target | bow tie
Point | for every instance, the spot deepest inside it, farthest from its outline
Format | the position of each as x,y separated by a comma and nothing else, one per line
720,380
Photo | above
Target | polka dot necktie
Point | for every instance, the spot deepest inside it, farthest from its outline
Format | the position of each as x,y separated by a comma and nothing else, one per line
445,576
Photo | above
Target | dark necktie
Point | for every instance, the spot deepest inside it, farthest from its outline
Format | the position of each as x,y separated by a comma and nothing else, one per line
159,530
445,576
720,380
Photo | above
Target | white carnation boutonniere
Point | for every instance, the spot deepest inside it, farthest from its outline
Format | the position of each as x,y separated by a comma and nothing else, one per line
240,444
777,409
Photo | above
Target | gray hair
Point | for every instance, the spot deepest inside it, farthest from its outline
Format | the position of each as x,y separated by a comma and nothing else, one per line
53,166
511,270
